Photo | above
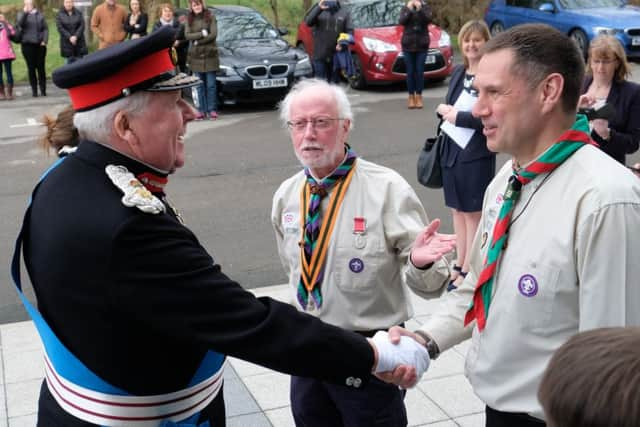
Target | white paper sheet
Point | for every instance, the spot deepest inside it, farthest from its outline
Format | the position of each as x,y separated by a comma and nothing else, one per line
460,136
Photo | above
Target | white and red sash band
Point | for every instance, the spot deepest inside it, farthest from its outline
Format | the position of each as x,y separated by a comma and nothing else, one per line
117,410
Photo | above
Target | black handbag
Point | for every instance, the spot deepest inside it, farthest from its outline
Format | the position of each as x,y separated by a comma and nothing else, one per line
429,172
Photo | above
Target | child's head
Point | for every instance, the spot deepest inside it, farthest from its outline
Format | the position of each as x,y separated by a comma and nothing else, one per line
593,380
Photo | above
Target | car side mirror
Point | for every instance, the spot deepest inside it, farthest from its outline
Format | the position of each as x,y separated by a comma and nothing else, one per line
547,7
283,31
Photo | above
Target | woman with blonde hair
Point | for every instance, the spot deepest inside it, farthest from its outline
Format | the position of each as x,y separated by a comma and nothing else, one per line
466,169
607,71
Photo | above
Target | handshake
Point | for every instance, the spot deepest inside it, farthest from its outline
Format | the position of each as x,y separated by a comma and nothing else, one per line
401,357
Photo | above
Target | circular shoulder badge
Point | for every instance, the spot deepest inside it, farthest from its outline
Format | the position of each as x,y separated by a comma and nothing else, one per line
528,285
356,265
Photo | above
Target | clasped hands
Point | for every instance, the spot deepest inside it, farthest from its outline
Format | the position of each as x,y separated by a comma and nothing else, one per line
401,356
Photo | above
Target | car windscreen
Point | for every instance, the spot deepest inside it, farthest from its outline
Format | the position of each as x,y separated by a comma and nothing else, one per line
377,13
242,26
588,4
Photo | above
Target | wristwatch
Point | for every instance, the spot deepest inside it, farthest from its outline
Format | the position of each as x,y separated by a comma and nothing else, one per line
431,346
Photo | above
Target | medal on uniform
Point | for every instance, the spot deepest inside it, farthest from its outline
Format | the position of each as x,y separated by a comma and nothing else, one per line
359,230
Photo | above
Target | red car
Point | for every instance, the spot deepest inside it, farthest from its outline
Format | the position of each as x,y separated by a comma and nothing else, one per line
377,53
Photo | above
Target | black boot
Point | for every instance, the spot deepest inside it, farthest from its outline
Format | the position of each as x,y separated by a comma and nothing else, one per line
2,95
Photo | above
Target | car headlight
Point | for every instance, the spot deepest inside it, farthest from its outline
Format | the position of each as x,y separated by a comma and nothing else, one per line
378,45
445,39
303,67
606,30
226,71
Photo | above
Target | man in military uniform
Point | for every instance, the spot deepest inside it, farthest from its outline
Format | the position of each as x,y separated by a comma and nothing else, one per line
135,315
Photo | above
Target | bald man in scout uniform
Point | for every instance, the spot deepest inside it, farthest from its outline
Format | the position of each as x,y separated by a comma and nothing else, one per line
135,315
344,228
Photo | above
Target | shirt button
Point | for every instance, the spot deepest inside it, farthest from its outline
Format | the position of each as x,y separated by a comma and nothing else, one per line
350,381
357,382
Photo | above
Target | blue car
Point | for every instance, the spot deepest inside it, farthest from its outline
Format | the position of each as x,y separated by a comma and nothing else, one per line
582,20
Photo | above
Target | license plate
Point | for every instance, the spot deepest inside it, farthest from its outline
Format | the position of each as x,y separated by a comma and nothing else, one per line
430,59
635,41
268,83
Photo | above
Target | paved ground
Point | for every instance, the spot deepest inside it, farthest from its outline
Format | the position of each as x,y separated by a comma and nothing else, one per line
255,396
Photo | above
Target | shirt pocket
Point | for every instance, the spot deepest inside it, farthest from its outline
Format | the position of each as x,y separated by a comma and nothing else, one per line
526,294
357,262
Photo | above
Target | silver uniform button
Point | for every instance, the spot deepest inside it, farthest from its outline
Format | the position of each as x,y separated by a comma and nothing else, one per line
357,382
350,381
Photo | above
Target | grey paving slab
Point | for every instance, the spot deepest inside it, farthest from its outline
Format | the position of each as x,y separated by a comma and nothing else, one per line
252,420
22,398
271,391
3,422
281,417
447,423
238,400
1,368
420,409
463,347
475,420
449,363
19,337
26,421
3,405
23,366
453,395
247,369
229,372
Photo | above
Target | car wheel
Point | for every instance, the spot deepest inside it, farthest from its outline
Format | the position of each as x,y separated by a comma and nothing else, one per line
496,28
357,81
580,38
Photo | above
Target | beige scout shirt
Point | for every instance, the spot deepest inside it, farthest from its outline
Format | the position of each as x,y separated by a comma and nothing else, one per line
376,297
107,23
571,264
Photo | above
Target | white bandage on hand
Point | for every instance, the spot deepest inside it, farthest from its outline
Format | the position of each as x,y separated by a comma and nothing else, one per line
406,352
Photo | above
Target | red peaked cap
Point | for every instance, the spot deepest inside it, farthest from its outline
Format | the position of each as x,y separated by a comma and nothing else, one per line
146,63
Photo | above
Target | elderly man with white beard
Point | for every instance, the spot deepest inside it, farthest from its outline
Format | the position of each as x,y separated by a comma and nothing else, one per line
344,228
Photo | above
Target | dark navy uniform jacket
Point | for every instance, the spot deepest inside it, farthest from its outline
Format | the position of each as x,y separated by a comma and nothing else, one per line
137,298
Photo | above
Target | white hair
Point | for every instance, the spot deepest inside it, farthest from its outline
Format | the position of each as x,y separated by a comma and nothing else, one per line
344,106
97,124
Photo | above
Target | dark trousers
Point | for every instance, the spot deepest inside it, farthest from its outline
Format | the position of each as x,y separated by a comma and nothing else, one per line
414,63
323,69
6,64
34,56
511,419
318,404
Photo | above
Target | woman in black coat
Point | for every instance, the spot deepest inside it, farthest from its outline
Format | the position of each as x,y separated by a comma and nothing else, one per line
606,83
136,24
34,38
70,23
415,17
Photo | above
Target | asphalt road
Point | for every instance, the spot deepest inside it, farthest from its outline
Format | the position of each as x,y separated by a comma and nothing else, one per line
234,165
